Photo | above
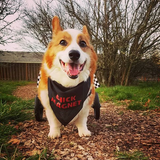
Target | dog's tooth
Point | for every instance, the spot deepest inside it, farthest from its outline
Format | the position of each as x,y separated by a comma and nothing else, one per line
80,66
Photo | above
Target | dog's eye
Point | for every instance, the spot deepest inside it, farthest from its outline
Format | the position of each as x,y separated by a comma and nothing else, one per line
82,44
63,42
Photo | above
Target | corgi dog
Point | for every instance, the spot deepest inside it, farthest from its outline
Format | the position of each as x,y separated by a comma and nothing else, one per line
69,63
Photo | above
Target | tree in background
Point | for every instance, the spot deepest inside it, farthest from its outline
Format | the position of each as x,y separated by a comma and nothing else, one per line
123,32
8,9
37,25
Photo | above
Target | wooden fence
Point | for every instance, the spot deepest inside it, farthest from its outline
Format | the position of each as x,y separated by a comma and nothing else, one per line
19,71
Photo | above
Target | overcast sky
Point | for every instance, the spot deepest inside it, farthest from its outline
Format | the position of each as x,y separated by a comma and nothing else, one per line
16,26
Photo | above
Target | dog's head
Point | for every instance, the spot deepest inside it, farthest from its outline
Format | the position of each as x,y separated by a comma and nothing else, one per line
70,55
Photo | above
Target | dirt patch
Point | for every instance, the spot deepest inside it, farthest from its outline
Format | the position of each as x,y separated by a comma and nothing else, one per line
117,130
26,92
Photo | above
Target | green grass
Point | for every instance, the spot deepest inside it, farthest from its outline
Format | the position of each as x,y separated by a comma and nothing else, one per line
143,96
12,111
6,89
16,155
5,133
137,155
16,111
11,114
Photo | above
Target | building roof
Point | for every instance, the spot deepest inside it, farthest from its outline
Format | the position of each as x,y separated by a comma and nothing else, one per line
20,57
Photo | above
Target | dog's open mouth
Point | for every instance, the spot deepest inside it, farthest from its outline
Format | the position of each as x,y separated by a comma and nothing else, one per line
72,69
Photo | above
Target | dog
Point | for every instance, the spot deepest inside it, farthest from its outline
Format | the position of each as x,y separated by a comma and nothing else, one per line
69,63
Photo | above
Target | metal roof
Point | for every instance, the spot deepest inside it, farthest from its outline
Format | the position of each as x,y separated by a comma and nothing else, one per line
21,57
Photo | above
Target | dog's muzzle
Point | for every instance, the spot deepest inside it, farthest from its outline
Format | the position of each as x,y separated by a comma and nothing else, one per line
74,68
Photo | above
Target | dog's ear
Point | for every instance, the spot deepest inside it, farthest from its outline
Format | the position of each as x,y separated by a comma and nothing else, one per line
56,25
85,32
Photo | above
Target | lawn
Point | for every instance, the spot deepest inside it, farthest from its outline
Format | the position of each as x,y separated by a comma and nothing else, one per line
143,96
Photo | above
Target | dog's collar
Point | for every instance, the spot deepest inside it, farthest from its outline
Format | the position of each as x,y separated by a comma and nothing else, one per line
67,102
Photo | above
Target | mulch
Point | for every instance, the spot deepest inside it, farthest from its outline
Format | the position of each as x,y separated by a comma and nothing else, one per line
26,92
117,130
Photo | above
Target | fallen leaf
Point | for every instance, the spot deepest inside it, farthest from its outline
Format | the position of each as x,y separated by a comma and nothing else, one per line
80,147
147,103
2,155
16,127
34,152
14,141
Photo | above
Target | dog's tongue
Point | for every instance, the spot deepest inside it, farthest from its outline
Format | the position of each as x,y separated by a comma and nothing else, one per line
73,69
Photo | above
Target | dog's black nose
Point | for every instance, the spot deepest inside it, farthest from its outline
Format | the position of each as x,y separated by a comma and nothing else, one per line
74,55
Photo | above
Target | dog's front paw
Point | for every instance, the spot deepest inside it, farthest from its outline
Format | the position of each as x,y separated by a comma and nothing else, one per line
54,134
84,132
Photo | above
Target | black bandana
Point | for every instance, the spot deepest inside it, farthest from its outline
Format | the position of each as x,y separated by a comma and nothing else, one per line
67,102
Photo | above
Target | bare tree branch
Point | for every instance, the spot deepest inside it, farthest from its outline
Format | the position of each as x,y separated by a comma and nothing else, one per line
8,8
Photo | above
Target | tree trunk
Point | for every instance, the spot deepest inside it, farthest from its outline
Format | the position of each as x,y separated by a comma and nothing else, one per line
110,77
123,77
128,74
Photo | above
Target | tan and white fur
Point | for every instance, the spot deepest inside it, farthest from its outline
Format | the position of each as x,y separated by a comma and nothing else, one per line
56,62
